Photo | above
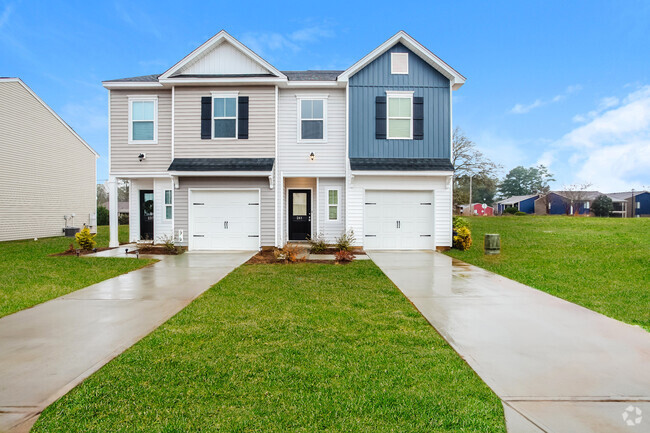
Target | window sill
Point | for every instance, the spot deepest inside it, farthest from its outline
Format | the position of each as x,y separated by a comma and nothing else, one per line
142,142
312,141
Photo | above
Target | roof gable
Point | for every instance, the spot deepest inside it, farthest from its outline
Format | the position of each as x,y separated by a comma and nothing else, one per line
222,56
457,80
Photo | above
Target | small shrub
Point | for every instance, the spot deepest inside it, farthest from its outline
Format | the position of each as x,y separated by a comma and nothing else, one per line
287,254
102,216
511,210
85,239
345,241
463,239
123,219
317,244
518,213
343,256
167,242
459,222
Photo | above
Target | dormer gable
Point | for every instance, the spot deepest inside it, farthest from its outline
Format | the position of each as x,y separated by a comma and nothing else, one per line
221,57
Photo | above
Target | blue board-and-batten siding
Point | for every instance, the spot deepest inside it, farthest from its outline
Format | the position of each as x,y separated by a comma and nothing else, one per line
374,80
528,205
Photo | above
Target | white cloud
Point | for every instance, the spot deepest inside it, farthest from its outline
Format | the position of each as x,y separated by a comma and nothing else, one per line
6,13
525,108
265,42
612,150
604,104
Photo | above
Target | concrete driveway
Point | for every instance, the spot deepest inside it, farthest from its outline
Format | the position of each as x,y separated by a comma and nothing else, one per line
556,366
47,350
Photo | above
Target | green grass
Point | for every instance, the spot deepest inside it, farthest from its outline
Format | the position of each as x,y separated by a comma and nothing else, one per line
600,263
273,348
29,276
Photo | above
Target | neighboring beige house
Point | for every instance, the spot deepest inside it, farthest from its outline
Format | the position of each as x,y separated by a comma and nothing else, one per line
47,172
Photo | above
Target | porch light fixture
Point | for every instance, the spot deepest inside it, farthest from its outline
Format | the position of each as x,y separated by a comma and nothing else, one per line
312,156
142,156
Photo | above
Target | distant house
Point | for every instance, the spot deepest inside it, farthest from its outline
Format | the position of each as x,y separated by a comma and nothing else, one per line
47,170
480,209
574,203
523,203
637,202
122,207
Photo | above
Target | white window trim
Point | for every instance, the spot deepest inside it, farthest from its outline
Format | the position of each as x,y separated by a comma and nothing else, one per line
398,94
212,118
638,205
309,97
170,205
338,204
392,69
144,98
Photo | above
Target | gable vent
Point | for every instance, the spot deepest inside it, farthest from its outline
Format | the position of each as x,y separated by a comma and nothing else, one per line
399,63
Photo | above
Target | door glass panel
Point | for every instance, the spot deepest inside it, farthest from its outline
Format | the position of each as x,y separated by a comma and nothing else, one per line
299,204
147,208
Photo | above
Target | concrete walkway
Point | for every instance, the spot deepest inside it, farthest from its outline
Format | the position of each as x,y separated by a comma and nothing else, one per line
556,366
48,349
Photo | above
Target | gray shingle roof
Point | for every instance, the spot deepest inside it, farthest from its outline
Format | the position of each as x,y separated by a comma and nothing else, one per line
625,195
312,75
141,79
221,164
516,199
401,164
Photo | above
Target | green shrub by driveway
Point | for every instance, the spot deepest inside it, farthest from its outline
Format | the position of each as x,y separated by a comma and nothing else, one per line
600,263
29,276
286,348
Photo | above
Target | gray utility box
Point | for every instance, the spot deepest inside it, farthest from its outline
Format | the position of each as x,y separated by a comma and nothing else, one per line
70,231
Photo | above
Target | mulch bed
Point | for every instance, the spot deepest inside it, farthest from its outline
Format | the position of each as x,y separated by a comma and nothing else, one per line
156,250
267,257
73,252
334,251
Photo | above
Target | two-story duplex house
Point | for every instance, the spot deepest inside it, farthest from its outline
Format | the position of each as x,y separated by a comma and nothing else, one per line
224,152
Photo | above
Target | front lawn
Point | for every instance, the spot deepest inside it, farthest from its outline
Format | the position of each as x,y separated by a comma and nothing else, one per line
279,348
29,276
600,263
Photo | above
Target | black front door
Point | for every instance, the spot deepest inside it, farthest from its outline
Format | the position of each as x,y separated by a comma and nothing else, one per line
146,215
299,214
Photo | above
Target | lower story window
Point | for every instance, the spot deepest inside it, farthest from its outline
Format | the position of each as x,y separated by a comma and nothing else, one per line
333,204
168,204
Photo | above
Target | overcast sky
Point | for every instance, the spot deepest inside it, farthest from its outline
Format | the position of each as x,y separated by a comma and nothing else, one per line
564,83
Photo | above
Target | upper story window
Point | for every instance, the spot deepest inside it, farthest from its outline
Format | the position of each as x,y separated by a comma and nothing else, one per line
143,119
224,115
312,119
399,63
400,115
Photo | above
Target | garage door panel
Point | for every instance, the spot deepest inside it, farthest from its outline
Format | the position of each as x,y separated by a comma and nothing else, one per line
225,220
398,220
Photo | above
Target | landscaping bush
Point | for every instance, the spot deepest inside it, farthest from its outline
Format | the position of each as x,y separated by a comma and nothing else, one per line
85,239
511,210
343,256
317,244
463,239
602,206
345,241
167,241
287,254
102,216
459,221
123,219
519,213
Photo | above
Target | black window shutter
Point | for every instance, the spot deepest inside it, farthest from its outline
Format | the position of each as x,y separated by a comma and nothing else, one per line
418,118
380,117
206,118
242,117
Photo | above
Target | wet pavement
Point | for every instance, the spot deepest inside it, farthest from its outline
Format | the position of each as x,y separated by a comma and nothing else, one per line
47,350
556,366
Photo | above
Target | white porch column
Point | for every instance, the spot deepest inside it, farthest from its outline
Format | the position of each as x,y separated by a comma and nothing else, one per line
113,222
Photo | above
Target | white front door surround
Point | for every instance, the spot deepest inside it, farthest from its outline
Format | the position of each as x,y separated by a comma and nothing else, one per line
224,219
398,220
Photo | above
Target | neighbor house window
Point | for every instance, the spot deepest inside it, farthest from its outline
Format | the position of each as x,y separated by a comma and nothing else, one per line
587,205
224,115
400,115
638,205
399,63
168,204
143,120
333,204
312,119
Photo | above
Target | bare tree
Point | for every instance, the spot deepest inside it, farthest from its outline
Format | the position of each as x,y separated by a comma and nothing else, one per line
467,159
575,194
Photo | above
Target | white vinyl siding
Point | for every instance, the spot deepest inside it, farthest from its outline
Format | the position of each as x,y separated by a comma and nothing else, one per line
46,172
293,154
331,229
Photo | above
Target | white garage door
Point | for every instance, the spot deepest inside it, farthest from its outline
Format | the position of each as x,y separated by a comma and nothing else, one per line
224,220
398,220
